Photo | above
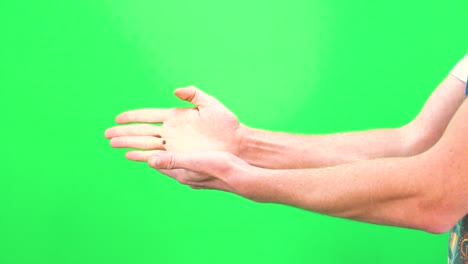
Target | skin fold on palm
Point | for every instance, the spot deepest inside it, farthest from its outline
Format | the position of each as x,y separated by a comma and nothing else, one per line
207,126
214,170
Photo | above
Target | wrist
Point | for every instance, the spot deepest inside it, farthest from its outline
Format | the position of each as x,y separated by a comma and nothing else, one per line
244,136
252,183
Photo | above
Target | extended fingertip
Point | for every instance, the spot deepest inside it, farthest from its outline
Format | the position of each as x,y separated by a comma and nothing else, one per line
179,92
129,155
182,88
124,117
120,120
108,133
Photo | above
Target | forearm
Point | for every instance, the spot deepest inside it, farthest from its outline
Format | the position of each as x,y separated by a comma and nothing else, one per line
425,191
374,191
277,150
281,150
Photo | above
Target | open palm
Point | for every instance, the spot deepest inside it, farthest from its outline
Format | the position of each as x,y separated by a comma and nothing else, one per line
207,126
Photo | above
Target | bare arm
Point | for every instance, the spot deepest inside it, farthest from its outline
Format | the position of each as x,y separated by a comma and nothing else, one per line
281,150
426,191
210,126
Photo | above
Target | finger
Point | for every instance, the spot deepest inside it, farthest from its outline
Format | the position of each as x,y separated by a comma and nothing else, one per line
195,96
137,155
187,177
144,116
211,163
209,185
174,173
172,161
134,130
143,142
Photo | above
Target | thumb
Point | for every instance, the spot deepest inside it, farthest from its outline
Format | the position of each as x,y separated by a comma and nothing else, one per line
212,162
165,161
194,95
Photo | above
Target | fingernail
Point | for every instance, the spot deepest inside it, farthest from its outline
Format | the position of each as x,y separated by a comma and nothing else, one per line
155,160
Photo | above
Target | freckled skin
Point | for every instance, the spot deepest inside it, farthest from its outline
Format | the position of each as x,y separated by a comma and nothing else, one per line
164,142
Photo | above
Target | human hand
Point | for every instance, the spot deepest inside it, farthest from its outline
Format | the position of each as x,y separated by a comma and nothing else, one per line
208,170
207,126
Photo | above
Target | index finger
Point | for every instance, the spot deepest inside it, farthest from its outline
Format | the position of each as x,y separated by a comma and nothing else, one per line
144,116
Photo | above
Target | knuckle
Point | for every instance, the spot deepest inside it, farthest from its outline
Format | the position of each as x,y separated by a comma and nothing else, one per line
171,163
194,94
183,181
172,115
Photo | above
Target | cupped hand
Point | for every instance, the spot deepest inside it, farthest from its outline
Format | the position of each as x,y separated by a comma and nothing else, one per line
209,125
208,170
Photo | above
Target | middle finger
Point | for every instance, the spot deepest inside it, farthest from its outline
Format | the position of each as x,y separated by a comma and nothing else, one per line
141,142
133,130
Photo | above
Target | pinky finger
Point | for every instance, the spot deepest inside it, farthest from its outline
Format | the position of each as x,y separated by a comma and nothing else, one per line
143,156
213,184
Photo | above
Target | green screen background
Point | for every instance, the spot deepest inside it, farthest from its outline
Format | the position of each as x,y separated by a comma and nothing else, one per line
67,68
